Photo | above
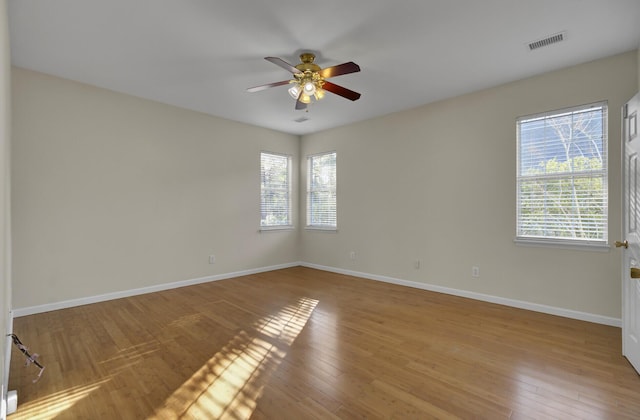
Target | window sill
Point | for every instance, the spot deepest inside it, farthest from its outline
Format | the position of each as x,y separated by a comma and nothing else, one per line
563,244
322,228
275,228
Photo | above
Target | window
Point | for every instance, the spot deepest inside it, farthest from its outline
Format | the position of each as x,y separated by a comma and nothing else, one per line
562,176
275,190
321,191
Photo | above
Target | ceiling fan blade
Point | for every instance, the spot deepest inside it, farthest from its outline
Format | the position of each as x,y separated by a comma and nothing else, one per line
267,86
340,69
342,91
280,62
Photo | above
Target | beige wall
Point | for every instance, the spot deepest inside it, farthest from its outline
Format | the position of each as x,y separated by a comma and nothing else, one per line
437,184
5,231
113,193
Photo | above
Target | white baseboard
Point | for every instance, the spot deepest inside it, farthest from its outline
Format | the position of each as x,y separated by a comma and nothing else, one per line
30,310
536,307
552,310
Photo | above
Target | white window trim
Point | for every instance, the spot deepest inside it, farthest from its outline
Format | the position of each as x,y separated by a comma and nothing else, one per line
563,244
276,228
290,225
310,227
569,243
321,228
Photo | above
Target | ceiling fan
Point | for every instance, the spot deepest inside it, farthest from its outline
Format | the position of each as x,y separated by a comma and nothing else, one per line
309,80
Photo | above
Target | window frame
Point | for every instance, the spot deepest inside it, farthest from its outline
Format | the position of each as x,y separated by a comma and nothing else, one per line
559,242
289,225
323,227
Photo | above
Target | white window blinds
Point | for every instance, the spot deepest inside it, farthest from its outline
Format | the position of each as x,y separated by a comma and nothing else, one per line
562,176
321,191
275,190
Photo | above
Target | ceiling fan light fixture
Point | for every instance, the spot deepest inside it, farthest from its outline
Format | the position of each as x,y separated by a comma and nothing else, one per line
305,99
309,88
319,94
294,91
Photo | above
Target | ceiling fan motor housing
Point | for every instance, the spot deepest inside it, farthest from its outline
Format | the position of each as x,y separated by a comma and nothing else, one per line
307,63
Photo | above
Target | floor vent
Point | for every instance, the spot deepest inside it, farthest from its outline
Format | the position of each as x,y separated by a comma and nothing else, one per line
552,39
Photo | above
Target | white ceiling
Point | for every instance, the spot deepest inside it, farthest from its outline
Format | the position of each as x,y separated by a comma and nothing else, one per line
203,54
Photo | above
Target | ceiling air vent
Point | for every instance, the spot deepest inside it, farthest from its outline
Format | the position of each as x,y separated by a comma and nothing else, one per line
301,119
552,39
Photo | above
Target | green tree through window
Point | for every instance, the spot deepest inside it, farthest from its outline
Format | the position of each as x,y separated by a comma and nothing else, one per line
275,190
562,175
321,191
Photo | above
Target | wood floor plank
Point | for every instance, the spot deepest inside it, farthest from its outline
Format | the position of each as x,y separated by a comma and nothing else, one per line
301,343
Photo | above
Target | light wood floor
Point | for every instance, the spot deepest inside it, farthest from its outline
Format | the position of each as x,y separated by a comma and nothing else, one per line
300,343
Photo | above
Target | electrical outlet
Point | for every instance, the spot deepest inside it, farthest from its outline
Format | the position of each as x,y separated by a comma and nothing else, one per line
416,264
352,255
475,271
212,259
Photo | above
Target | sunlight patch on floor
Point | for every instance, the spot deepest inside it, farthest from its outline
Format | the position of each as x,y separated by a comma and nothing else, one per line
127,358
230,383
55,404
